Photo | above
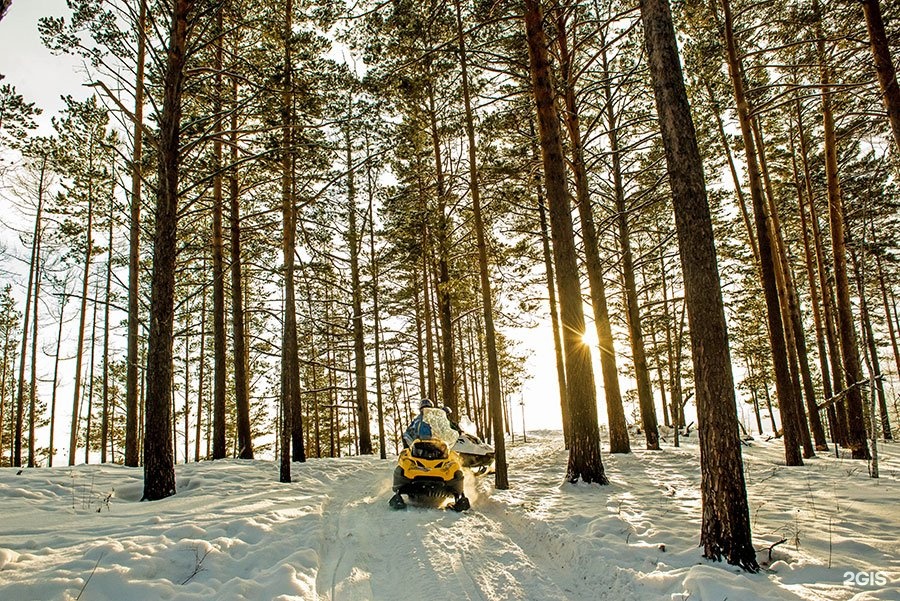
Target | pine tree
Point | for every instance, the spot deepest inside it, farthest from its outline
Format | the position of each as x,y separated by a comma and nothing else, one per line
725,531
585,462
159,462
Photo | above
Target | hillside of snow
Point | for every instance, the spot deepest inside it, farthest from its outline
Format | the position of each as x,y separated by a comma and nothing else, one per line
234,532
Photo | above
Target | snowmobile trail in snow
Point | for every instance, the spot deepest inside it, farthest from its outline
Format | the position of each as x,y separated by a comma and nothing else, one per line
367,549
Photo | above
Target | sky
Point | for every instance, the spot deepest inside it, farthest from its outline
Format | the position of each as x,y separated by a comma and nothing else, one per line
36,73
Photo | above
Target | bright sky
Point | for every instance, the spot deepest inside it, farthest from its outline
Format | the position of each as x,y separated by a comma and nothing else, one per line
37,74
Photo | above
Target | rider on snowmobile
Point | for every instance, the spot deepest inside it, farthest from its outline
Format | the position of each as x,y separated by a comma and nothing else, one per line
431,422
415,429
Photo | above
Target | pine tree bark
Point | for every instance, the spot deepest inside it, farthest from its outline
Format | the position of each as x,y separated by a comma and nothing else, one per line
201,376
790,304
892,332
638,352
837,413
159,459
89,414
673,353
554,314
359,341
884,66
7,361
292,431
585,462
420,343
615,412
742,202
376,309
76,396
428,314
874,365
818,430
238,327
62,312
445,310
787,401
132,409
33,284
32,392
104,420
725,531
218,256
856,427
501,479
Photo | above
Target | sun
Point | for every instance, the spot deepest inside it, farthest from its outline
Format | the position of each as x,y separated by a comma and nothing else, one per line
590,337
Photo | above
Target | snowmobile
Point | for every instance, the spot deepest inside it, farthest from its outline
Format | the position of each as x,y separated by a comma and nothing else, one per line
429,469
474,453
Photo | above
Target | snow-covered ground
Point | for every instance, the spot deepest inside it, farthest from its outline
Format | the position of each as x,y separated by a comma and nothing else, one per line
234,532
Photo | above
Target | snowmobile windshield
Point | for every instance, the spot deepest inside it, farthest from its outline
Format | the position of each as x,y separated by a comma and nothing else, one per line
440,425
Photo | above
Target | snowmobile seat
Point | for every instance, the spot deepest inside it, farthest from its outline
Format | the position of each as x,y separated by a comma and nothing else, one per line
429,449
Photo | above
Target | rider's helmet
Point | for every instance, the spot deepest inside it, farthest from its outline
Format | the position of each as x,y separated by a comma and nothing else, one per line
447,410
424,403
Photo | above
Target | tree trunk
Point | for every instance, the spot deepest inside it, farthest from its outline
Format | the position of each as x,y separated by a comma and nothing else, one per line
201,374
790,304
292,431
76,400
445,315
159,460
62,311
742,203
4,370
187,392
837,413
428,313
638,353
725,531
420,344
218,252
501,480
788,403
104,421
238,327
89,414
618,428
884,67
20,391
856,427
359,341
871,346
32,393
554,315
376,315
887,312
753,394
673,358
585,462
813,288
132,409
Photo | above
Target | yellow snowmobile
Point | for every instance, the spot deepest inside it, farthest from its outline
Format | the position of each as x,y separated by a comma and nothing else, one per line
428,468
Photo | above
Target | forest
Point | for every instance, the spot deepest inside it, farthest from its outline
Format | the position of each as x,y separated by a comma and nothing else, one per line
270,227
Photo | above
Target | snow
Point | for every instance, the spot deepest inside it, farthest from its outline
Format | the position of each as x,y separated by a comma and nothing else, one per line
234,532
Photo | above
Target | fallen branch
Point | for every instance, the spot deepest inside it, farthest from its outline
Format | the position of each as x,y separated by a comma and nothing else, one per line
836,398
198,567
773,545
84,586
